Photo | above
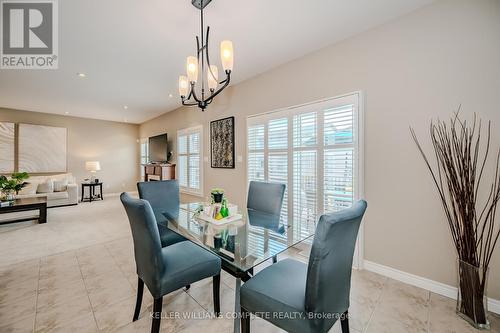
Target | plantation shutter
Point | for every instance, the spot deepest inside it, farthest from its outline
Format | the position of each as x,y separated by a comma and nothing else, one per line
314,150
339,164
189,168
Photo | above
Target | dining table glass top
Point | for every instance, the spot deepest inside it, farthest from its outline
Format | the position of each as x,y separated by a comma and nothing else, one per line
242,244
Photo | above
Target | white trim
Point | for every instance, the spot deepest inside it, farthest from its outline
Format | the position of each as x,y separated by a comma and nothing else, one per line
360,141
424,283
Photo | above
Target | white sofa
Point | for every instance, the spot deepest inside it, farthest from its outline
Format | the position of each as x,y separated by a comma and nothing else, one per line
64,194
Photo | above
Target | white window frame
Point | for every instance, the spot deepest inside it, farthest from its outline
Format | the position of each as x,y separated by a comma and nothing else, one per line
144,159
187,132
358,134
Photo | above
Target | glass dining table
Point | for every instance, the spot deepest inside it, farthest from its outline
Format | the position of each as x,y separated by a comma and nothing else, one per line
242,244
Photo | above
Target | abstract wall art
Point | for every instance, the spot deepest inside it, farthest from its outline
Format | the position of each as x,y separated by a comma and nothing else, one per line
42,149
7,135
222,143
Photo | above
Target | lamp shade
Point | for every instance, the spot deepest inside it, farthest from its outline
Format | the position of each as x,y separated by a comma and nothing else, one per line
92,166
183,85
212,77
226,55
192,68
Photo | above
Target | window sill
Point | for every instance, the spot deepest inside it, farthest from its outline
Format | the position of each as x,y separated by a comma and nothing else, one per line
192,193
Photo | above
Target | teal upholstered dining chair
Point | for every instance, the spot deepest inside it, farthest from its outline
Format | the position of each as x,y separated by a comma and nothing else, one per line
309,298
265,198
165,269
163,196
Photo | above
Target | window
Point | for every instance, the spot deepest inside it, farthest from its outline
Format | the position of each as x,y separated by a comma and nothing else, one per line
144,155
315,150
189,157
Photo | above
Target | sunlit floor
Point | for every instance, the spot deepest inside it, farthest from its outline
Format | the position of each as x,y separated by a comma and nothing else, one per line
77,274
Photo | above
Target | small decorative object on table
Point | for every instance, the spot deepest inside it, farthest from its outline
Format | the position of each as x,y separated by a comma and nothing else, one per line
9,187
460,165
218,213
217,195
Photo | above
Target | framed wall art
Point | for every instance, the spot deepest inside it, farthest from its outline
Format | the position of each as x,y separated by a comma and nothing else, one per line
222,143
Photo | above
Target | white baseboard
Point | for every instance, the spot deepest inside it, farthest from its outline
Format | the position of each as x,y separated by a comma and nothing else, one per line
421,282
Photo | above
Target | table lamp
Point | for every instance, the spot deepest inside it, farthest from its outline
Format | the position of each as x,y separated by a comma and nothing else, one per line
93,167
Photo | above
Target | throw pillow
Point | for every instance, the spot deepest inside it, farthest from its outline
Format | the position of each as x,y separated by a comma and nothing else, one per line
30,189
46,187
60,185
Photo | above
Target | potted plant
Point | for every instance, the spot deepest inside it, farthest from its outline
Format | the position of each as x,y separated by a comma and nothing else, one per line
461,155
9,187
217,195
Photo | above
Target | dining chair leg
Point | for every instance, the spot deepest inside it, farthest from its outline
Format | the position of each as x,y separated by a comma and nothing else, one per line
245,321
155,326
344,322
187,287
140,291
216,290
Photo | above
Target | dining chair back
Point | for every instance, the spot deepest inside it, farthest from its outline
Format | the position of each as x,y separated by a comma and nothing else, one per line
330,262
163,196
266,197
147,244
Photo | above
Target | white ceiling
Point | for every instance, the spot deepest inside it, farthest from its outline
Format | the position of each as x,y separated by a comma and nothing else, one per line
133,51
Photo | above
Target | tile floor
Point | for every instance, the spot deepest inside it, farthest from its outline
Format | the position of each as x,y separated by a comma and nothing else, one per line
77,274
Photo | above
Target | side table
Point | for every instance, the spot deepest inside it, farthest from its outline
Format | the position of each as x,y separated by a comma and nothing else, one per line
93,195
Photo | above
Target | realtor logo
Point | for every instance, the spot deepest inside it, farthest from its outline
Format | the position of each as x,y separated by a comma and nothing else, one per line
29,34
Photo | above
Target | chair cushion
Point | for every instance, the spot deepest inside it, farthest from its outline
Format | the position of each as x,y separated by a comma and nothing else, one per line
277,293
186,263
169,237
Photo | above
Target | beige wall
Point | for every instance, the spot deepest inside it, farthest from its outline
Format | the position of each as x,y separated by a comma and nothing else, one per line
113,144
418,67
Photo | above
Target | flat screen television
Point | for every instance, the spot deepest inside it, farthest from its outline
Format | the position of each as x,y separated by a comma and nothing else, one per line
158,149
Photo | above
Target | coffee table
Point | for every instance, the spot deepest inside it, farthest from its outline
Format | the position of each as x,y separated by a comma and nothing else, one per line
27,204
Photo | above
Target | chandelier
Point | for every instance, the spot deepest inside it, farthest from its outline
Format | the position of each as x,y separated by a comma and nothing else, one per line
188,84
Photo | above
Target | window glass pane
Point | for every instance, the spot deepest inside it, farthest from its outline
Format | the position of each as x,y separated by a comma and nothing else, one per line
278,134
338,179
182,144
194,143
182,170
194,172
256,137
304,130
304,191
256,166
338,125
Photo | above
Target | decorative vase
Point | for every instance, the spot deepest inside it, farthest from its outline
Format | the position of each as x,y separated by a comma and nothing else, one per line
472,302
217,197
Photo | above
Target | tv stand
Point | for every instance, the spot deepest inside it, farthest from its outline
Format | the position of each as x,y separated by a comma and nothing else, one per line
159,171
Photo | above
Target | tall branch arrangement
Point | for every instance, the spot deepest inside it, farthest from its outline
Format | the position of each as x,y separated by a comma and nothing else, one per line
460,164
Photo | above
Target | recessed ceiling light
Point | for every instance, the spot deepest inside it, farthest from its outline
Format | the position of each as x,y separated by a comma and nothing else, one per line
126,120
81,74
125,107
66,112
170,95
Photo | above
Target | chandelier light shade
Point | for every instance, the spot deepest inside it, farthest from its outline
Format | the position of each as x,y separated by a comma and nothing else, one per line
192,68
201,92
213,76
183,85
226,55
